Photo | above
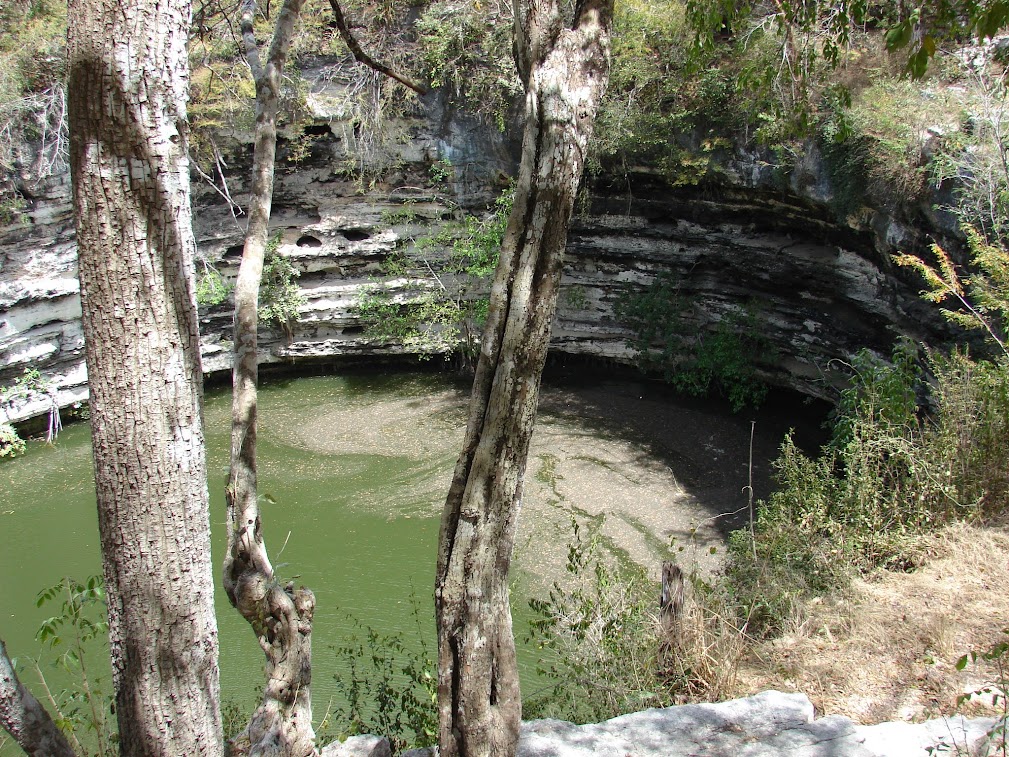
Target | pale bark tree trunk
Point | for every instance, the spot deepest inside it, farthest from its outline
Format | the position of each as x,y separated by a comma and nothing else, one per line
128,82
564,71
24,717
281,616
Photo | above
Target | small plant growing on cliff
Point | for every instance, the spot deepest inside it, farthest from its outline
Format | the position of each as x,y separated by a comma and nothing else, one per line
980,301
722,360
442,307
280,298
211,288
11,444
28,386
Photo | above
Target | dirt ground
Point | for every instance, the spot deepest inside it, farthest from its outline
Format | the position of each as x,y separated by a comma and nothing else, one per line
887,650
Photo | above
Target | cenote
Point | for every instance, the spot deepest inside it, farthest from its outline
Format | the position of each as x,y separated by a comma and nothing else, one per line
353,472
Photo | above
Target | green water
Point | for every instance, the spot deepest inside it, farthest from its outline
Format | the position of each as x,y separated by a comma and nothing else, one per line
355,468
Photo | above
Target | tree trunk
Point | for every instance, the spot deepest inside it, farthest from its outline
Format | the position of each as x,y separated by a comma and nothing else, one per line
128,80
24,718
281,617
564,72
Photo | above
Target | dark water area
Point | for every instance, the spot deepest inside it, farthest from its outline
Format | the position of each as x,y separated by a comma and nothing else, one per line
354,469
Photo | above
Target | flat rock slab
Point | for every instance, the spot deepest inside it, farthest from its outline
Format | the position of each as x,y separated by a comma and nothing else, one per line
770,724
766,725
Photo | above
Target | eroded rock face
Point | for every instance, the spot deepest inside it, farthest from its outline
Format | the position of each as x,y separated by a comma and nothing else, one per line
819,287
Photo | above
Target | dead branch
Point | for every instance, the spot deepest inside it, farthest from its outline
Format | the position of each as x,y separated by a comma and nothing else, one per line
362,57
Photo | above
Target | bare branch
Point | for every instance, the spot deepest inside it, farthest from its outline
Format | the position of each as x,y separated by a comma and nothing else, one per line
24,718
362,57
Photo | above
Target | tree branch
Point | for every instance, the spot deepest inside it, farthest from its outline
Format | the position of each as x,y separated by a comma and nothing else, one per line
362,57
24,718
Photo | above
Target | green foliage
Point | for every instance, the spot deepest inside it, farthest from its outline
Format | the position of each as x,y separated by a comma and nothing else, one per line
917,28
467,48
442,308
872,143
605,650
980,301
426,323
29,386
84,710
391,688
887,478
11,444
442,171
211,288
995,691
33,126
723,360
280,298
880,392
599,639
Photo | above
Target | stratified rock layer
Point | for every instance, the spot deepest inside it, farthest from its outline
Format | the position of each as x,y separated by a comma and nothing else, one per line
751,242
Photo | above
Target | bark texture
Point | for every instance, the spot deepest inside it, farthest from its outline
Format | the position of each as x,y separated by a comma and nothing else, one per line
281,616
128,82
24,717
564,70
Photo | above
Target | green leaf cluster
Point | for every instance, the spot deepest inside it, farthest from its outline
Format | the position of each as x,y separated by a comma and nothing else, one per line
598,640
890,475
211,287
11,443
390,687
467,48
442,306
280,298
84,709
722,360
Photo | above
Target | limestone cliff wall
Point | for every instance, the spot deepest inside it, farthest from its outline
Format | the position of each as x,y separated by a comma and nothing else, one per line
821,287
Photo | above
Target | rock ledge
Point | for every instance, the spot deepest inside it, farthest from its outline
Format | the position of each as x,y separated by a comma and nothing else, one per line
769,724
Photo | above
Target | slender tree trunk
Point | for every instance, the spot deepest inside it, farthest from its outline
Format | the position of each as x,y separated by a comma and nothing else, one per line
564,71
281,616
24,717
128,81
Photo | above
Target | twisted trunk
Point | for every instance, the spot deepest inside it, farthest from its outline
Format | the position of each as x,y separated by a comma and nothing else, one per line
281,617
564,71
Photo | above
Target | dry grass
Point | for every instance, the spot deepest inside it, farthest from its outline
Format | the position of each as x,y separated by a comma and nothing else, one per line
887,649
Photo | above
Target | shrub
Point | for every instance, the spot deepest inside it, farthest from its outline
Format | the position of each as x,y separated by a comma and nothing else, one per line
280,298
390,688
11,444
84,710
211,288
445,307
608,652
888,477
723,360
